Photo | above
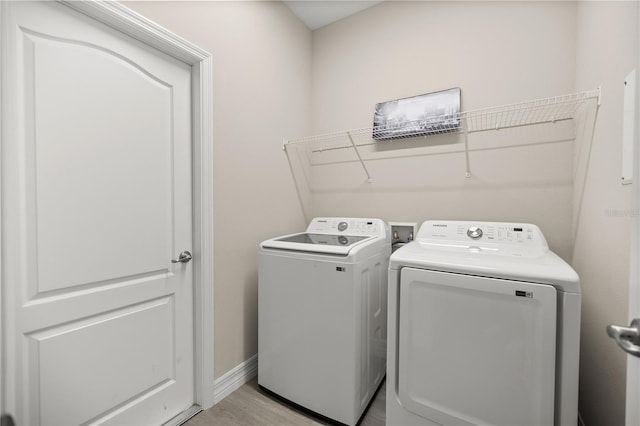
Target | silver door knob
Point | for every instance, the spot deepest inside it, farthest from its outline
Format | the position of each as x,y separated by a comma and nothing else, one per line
628,338
184,257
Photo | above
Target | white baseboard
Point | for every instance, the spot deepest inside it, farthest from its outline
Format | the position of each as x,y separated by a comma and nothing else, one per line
234,378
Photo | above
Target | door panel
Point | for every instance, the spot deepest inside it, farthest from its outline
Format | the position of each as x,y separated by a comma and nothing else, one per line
471,351
70,200
96,185
143,356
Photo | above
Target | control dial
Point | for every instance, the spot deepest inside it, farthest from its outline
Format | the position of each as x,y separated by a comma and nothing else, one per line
474,232
342,226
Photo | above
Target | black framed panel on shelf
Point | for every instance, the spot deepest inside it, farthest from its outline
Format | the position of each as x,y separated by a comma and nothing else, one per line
430,113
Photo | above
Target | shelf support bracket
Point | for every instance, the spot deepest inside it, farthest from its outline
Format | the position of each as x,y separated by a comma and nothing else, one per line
355,147
466,152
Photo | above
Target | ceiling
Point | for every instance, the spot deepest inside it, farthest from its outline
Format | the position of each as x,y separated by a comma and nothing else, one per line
318,13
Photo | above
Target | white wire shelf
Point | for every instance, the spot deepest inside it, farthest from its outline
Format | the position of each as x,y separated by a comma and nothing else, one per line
538,111
547,110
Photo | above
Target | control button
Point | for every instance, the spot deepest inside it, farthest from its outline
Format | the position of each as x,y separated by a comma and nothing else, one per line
342,226
474,232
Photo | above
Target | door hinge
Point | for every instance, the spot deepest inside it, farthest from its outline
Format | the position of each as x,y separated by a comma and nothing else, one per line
7,420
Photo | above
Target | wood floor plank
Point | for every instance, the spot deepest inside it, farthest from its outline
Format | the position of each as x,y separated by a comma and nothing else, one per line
249,406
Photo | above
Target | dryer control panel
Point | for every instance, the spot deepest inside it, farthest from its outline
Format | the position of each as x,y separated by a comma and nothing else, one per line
525,234
348,226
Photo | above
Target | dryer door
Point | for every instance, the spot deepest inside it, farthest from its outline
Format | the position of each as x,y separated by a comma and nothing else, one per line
476,350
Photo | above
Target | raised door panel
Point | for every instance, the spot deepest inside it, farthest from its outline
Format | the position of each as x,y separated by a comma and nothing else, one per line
100,129
139,360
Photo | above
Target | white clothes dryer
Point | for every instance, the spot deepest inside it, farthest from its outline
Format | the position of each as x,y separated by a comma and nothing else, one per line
322,306
484,328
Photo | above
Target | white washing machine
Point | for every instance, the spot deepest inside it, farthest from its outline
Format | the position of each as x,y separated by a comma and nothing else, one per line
322,300
484,328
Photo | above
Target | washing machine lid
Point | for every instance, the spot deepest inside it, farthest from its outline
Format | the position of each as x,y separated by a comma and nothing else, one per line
316,243
514,251
333,235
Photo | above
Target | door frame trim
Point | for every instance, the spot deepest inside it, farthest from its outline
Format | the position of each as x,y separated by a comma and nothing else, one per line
140,28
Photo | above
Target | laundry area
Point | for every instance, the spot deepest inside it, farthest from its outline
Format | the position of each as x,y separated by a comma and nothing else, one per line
421,213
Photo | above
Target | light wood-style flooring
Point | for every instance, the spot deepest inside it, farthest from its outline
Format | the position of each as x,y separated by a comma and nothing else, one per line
249,406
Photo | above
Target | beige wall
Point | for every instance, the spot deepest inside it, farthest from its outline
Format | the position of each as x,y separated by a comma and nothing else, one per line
606,51
497,53
261,83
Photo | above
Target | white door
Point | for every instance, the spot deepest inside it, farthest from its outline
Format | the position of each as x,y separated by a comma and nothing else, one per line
96,193
633,362
628,337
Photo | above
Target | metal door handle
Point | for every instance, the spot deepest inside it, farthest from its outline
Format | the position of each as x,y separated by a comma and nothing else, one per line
628,338
184,257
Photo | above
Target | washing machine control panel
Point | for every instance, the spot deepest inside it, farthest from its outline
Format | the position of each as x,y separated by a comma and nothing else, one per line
525,234
347,226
